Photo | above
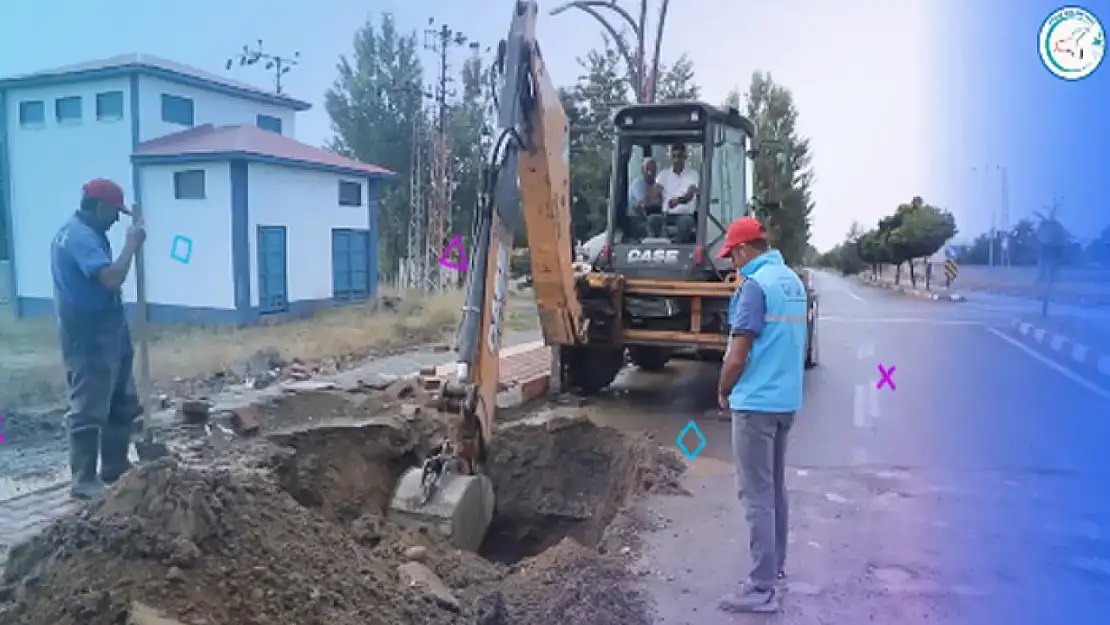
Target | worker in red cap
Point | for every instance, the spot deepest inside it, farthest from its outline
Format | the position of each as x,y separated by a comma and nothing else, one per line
761,386
96,341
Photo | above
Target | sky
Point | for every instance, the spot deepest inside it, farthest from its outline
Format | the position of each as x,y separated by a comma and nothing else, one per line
861,72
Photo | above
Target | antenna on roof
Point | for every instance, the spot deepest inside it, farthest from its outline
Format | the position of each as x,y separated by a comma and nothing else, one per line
279,65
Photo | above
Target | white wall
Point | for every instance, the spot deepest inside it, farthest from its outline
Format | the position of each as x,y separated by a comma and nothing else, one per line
206,281
48,167
307,204
208,108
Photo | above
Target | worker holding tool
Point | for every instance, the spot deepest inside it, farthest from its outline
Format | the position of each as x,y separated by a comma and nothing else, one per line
761,385
96,341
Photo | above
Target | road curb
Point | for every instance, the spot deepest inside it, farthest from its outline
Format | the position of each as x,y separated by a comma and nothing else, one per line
1091,360
919,294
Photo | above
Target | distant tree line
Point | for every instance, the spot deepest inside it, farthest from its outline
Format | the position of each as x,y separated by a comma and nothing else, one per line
916,230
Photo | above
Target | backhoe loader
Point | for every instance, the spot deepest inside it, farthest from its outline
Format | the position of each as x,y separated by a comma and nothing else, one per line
649,285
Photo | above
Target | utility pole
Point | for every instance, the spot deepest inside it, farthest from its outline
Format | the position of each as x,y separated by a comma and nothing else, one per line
1004,211
415,262
279,65
645,77
441,41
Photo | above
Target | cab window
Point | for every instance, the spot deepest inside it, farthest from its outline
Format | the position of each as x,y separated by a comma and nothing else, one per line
729,184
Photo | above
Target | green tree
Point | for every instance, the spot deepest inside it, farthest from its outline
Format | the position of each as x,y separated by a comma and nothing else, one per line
676,83
783,170
917,230
471,136
373,106
590,105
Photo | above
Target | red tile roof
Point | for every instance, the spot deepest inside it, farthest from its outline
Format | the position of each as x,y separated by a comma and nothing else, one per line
228,141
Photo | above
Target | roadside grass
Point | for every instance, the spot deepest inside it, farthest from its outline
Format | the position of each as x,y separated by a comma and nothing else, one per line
31,373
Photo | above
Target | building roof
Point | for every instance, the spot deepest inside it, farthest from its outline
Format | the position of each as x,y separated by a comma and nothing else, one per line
208,142
147,64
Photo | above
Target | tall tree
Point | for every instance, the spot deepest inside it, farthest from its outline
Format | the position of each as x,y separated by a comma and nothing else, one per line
590,105
783,170
373,106
470,139
676,83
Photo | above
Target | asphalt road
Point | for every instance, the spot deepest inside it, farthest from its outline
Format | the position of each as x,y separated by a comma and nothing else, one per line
973,492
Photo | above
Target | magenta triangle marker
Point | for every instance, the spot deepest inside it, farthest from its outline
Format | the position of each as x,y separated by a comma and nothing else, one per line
455,244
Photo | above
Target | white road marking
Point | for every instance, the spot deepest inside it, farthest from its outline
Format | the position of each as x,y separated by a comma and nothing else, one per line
1062,370
854,296
903,320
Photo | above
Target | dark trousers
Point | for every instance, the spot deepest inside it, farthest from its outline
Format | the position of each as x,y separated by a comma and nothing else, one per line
97,354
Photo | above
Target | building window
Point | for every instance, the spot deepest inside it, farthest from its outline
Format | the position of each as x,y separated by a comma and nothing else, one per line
188,184
273,124
68,110
350,193
109,106
177,110
32,113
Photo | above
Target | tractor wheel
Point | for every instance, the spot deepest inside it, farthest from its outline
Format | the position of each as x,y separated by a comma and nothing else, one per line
591,369
649,358
811,340
711,355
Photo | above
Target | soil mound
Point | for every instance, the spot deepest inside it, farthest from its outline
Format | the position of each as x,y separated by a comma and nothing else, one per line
572,585
294,531
213,546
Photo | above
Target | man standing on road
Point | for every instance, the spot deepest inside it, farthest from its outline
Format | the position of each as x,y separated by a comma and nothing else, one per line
761,385
95,338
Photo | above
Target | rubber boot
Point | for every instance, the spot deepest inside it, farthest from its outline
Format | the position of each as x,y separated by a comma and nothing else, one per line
84,452
115,442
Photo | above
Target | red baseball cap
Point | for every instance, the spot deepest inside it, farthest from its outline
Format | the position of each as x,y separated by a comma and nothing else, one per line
106,191
740,232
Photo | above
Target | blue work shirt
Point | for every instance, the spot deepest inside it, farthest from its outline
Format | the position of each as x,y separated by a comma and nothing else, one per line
77,255
770,306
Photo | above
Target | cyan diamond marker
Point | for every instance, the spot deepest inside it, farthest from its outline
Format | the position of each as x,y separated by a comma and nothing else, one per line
182,249
690,454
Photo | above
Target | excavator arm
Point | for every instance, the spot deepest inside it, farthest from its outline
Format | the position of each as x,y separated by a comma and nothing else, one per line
526,184
529,184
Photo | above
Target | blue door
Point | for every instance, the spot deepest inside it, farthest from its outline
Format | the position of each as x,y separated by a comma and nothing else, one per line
272,285
350,263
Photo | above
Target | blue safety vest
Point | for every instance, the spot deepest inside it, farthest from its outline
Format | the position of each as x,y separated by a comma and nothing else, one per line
773,378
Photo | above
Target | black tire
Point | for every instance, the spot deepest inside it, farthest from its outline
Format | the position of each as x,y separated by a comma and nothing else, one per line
711,355
591,369
811,340
652,359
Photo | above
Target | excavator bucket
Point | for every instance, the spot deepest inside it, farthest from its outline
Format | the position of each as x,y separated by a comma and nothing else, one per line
459,507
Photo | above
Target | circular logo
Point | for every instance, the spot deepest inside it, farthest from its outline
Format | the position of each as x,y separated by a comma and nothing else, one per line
1072,43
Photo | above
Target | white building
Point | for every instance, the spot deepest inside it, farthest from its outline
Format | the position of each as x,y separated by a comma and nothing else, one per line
242,219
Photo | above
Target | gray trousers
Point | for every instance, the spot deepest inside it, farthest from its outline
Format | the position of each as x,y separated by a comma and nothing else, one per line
98,355
759,444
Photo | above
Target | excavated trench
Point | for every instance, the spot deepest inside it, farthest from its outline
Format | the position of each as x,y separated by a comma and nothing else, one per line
295,530
554,476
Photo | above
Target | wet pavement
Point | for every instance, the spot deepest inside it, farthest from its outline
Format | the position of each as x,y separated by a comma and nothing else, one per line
965,494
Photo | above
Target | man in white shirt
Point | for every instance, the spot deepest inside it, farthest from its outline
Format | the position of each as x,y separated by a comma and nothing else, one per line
680,185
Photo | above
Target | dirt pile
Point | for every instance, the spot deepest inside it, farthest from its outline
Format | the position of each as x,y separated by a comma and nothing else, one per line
210,546
295,532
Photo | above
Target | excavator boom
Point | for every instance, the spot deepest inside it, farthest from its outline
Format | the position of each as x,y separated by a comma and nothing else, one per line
527,184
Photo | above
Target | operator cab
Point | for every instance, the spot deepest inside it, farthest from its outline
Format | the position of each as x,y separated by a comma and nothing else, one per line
682,172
